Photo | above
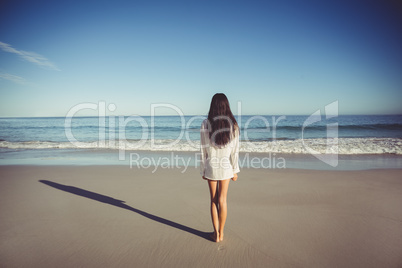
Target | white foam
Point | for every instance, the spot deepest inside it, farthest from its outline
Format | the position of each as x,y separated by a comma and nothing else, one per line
348,146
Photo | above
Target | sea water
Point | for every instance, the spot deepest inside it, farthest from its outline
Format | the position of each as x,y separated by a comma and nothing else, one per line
99,140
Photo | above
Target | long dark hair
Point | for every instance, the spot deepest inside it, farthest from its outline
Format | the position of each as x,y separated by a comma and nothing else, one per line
222,124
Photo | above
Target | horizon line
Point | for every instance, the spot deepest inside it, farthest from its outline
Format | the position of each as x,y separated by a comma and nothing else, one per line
97,116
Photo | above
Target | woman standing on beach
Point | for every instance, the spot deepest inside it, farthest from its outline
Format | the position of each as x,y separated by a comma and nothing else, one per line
219,158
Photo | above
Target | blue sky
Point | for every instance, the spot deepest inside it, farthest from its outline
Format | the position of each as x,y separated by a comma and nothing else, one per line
275,57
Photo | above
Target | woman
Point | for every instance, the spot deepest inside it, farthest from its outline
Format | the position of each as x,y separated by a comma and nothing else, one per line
219,158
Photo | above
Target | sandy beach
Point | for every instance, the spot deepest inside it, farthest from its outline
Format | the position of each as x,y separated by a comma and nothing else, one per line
114,216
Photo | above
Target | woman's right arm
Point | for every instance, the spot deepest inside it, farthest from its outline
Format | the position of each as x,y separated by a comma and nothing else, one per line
234,156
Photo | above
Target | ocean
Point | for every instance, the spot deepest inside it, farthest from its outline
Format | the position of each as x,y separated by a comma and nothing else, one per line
97,140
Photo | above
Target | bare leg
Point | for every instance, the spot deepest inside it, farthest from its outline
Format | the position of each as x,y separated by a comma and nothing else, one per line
223,192
213,190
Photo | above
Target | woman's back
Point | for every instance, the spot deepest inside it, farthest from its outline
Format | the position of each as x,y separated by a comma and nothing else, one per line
219,146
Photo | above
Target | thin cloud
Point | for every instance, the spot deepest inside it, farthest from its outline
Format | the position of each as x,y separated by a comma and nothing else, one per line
13,78
29,56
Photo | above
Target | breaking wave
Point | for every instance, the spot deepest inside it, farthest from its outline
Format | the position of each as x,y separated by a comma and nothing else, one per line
347,146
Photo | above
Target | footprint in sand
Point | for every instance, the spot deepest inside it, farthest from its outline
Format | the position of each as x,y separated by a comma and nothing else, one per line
221,247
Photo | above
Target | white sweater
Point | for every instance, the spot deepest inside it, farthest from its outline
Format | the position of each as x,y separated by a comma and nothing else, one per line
218,163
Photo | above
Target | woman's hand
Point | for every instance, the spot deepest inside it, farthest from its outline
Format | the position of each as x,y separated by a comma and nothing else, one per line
234,177
204,178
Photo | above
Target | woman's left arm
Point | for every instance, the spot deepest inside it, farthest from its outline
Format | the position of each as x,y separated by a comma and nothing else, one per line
204,153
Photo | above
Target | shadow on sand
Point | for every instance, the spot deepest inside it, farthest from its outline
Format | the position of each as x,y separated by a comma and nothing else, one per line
119,203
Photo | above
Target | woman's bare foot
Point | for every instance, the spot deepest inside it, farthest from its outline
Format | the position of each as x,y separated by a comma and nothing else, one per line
221,236
215,236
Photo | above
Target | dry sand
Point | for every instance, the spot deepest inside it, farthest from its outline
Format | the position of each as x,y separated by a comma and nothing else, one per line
114,216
